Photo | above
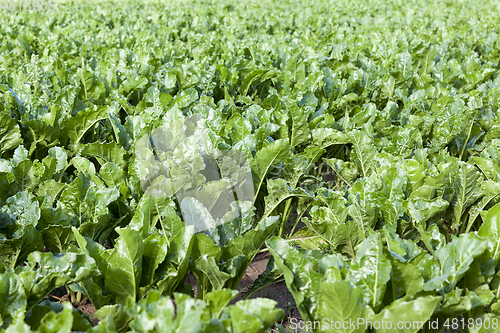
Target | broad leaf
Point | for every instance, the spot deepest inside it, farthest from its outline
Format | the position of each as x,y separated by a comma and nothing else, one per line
341,302
490,230
417,312
370,271
10,136
265,158
124,270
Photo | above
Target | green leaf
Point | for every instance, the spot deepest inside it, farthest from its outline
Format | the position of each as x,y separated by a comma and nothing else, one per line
348,236
341,302
265,158
300,127
156,313
458,301
87,79
111,174
279,191
415,174
92,249
363,205
488,167
106,152
55,227
87,205
45,308
467,191
116,315
18,327
346,171
417,312
76,127
13,300
456,258
433,239
107,325
392,193
61,322
155,251
10,135
330,222
84,166
490,230
388,86
46,272
197,215
325,137
245,85
403,249
172,271
300,276
245,248
136,82
370,271
18,234
307,239
406,276
424,209
255,315
218,300
122,137
60,156
363,151
159,314
406,279
204,264
124,270
19,174
491,190
50,188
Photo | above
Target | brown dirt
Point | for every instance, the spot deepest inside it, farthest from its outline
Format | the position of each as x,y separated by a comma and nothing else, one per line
60,295
277,291
89,309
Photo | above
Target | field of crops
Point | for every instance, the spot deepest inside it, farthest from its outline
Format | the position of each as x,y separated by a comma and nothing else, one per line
355,144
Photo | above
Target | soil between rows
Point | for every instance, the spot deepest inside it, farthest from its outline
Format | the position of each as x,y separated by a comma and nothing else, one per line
277,292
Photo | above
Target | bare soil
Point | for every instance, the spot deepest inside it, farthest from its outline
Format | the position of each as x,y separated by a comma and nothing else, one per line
89,310
277,292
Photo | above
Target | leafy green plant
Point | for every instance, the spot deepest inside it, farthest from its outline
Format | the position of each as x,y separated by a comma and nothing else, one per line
220,263
391,274
152,251
25,287
358,142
